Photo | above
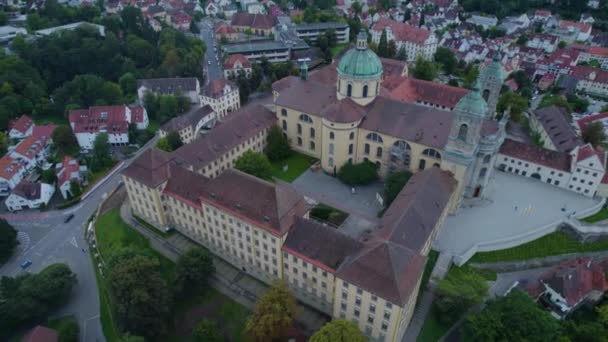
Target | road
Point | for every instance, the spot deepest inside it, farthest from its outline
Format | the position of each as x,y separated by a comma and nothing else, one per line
212,63
46,239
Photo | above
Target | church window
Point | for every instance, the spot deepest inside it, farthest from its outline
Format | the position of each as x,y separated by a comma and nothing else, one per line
422,164
483,172
374,137
350,149
432,153
284,112
349,90
312,132
331,148
462,132
486,94
299,129
436,165
379,152
331,135
299,141
365,90
330,161
487,159
312,145
351,136
284,125
305,118
366,151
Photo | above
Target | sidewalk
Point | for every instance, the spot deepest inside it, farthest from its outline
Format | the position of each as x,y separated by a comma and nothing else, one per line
227,279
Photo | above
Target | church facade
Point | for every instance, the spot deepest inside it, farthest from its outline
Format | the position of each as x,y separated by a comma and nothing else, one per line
356,120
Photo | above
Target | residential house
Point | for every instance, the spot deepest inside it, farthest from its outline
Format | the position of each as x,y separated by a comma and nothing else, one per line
28,195
416,41
35,149
20,128
68,171
187,86
225,31
571,31
211,8
592,53
312,30
255,8
235,64
553,125
223,96
586,18
258,24
515,23
543,41
190,125
87,124
486,22
593,81
12,171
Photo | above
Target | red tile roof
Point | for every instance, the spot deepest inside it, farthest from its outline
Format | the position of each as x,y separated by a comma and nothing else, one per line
590,74
592,50
69,166
215,88
256,21
403,31
92,120
41,334
32,146
411,90
138,114
575,25
9,166
223,29
552,159
22,124
232,59
46,130
587,151
28,190
590,118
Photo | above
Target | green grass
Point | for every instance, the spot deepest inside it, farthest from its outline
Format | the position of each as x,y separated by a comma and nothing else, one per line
338,48
297,164
432,329
599,216
110,331
553,244
153,126
153,229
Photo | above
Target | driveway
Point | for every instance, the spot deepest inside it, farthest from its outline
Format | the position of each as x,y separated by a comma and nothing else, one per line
515,206
331,191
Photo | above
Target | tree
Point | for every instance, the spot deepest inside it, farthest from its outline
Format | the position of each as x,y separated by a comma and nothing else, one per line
273,314
358,174
8,240
391,51
131,338
338,330
383,45
174,140
3,143
402,54
562,44
407,15
128,83
75,189
141,296
514,102
356,6
424,69
163,144
101,152
446,58
193,270
254,163
48,176
514,317
594,133
470,76
207,331
277,145
460,290
393,185
65,141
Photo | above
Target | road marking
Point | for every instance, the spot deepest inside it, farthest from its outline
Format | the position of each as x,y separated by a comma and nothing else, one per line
73,242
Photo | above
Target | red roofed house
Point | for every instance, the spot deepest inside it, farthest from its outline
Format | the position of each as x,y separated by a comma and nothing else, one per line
581,170
235,64
113,120
223,96
21,128
259,24
411,90
29,195
41,334
34,149
181,21
12,171
591,80
571,284
224,30
69,170
582,31
590,53
601,117
416,41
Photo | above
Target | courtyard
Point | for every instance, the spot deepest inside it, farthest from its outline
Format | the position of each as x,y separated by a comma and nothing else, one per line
515,212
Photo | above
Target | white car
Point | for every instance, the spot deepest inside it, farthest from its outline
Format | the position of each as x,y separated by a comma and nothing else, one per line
208,62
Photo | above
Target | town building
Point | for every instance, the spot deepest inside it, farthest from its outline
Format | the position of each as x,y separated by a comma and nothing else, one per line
580,170
568,286
592,81
543,41
274,51
553,126
187,86
87,124
415,41
311,31
35,149
223,96
486,22
258,24
225,31
28,195
571,29
191,124
235,64
592,53
12,171
20,128
68,171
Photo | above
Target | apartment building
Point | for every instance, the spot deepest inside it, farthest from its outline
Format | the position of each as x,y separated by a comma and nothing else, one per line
189,125
416,41
236,64
223,96
554,128
590,80
187,86
311,31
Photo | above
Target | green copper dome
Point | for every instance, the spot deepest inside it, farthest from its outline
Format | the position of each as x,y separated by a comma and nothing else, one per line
494,69
473,103
360,62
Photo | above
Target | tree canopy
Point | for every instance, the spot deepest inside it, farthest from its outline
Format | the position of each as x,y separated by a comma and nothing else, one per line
8,240
425,69
277,145
254,163
338,330
446,58
514,102
358,174
456,293
193,270
273,314
65,141
393,185
207,331
594,133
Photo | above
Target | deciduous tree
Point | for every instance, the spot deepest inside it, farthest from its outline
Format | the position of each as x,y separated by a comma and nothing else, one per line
8,240
254,163
338,330
193,270
65,141
594,133
460,290
273,314
277,145
425,70
207,331
393,185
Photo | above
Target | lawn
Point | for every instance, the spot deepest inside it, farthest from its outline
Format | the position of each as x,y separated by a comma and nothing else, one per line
297,164
599,216
338,48
432,329
553,244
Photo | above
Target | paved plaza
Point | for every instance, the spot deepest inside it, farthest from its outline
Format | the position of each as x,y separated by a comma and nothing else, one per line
516,206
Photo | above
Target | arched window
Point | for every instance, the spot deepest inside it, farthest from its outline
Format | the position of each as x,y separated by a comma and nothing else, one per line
487,158
486,94
299,129
350,149
376,88
432,153
330,161
482,172
402,145
349,90
462,132
299,141
379,152
312,145
312,132
421,164
284,112
284,125
305,118
351,136
331,135
365,90
366,150
374,137
331,148
436,165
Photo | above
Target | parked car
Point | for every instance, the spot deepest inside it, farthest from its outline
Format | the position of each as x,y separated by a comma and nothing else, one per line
26,263
68,218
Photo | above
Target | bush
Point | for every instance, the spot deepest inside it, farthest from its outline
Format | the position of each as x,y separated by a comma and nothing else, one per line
323,212
358,174
8,240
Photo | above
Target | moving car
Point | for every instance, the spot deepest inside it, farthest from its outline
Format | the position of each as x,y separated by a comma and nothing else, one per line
25,264
68,218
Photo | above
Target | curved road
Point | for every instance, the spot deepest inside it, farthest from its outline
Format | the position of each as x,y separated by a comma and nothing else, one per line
46,239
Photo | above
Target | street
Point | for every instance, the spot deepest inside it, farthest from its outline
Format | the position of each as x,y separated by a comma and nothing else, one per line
45,239
212,63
